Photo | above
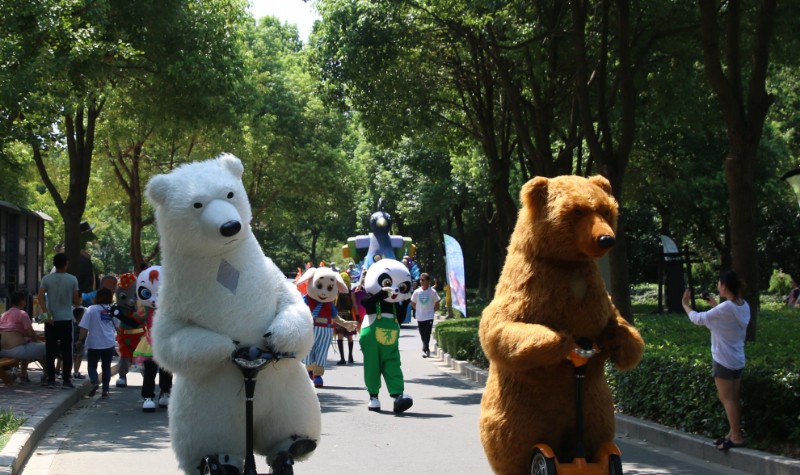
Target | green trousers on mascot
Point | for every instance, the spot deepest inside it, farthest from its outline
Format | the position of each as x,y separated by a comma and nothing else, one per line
379,342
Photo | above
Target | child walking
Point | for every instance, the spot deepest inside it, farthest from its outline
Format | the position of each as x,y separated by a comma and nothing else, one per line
99,334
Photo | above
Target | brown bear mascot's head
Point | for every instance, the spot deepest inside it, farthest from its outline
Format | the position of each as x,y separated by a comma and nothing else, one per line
584,218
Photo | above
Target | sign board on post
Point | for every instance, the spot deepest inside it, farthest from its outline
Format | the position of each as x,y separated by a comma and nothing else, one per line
455,274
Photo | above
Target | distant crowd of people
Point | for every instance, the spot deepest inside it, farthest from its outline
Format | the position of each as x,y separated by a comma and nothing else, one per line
77,324
423,305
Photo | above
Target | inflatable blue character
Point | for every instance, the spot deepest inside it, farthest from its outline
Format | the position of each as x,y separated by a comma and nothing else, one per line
379,243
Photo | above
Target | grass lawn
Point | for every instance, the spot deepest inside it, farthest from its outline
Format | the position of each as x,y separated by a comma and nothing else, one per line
9,423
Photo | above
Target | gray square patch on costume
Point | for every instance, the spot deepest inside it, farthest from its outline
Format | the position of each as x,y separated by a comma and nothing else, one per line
228,276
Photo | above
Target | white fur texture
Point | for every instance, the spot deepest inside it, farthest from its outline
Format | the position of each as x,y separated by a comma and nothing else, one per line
220,288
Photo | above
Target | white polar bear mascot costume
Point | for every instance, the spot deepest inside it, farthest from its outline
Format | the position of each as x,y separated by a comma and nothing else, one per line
220,294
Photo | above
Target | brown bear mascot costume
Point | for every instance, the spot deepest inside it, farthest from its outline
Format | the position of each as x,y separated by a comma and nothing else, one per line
551,294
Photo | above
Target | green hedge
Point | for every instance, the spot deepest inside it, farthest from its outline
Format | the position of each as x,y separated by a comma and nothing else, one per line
458,337
673,384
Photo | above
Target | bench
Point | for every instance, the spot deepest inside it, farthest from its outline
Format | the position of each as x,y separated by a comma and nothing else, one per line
6,364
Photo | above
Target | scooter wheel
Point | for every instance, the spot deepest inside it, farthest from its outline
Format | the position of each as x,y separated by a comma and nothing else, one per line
614,465
283,464
541,465
210,466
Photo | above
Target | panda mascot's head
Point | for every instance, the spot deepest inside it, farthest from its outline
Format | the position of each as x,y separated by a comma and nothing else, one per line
389,275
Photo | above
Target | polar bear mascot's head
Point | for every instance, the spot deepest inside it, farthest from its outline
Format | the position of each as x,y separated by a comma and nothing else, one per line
205,201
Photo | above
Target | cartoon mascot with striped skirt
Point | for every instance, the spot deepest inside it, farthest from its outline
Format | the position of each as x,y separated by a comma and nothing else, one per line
323,287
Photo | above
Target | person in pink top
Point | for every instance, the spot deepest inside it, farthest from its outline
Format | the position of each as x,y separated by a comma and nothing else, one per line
17,338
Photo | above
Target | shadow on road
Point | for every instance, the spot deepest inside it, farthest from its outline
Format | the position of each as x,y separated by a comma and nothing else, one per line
330,402
444,380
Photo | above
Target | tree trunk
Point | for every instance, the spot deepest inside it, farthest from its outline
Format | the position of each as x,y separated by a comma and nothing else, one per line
79,131
620,279
127,166
744,111
742,205
610,148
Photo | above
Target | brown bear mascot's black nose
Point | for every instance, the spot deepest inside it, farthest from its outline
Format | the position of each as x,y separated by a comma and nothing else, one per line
606,242
232,227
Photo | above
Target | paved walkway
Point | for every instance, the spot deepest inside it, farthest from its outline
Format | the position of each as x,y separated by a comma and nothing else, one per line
42,407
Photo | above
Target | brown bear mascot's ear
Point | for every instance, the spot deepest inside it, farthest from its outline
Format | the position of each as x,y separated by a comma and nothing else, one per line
602,182
534,195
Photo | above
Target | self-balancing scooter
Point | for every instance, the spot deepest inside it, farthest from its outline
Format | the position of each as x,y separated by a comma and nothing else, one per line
607,459
250,361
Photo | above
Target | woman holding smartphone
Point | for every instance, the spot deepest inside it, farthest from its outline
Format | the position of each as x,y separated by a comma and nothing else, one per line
728,324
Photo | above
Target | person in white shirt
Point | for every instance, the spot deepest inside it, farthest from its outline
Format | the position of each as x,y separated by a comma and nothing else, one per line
425,302
728,324
99,335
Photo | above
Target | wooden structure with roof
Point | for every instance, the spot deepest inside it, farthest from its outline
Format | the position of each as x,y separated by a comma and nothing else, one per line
21,250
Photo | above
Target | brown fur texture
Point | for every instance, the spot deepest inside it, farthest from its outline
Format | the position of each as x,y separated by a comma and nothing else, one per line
549,295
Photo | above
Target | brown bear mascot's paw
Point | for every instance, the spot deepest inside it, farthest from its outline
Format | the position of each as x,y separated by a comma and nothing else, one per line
624,345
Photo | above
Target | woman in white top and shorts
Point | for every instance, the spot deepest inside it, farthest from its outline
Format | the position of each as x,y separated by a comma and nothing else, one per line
728,324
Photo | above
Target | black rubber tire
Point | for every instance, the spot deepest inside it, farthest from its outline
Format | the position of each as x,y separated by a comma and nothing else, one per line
614,465
541,465
283,464
210,466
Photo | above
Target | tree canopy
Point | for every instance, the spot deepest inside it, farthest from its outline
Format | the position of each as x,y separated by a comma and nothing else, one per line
440,109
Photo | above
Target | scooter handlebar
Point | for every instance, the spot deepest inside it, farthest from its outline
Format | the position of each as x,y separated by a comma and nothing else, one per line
253,353
581,354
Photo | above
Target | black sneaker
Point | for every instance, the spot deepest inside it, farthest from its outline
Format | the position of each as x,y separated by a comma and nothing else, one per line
78,376
67,385
341,363
93,391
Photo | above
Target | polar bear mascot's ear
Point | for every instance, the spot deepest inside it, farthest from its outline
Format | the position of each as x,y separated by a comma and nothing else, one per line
157,190
233,164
